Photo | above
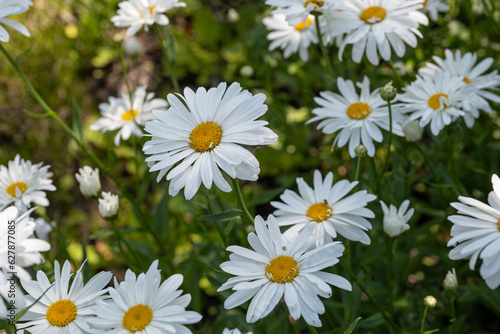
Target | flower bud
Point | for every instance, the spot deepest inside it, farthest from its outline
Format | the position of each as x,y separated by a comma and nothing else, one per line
232,15
360,151
450,282
388,93
90,185
413,131
108,205
395,221
430,301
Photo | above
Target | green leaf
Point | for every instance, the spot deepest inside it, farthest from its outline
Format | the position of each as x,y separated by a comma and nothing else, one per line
35,115
111,157
77,120
4,324
352,326
223,216
431,331
24,53
161,217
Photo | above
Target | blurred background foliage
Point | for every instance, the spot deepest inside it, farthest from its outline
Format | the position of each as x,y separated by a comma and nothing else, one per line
74,58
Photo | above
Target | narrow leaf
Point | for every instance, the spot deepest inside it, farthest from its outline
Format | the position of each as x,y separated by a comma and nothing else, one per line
77,120
222,216
352,326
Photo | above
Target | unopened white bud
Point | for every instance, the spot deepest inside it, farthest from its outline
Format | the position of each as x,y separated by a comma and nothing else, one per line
388,93
395,221
90,184
360,151
232,15
413,131
108,205
430,301
450,282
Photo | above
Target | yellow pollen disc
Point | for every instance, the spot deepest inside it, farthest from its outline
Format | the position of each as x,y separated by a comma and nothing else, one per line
434,103
301,26
498,224
425,4
372,15
467,80
129,115
151,9
358,110
282,269
11,190
61,313
319,212
205,136
316,3
137,318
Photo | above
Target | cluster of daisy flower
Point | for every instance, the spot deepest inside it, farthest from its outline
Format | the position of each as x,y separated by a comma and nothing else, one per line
369,27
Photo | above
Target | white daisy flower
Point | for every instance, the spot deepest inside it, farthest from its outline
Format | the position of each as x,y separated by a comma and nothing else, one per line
61,311
291,39
17,229
277,268
297,11
12,7
395,221
201,133
436,100
119,114
473,75
22,183
375,26
109,205
43,228
326,206
433,7
141,304
357,116
136,14
90,184
476,233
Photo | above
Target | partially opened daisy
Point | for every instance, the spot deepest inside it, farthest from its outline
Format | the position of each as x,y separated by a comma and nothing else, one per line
202,133
476,233
277,268
473,75
328,208
376,26
395,220
291,39
357,117
120,114
12,7
136,14
22,183
433,7
62,311
436,100
141,304
297,11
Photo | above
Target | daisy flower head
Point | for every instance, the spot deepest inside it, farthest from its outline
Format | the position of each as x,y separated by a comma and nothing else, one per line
374,26
297,11
277,268
12,7
433,7
473,75
22,183
395,220
60,311
437,100
88,179
202,133
327,208
291,39
120,114
27,248
357,117
476,233
142,304
136,14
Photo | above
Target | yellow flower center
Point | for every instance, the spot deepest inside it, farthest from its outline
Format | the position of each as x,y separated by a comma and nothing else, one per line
137,318
434,101
61,313
358,110
129,115
316,3
282,269
467,80
372,15
319,212
11,190
498,224
301,26
205,136
151,9
425,4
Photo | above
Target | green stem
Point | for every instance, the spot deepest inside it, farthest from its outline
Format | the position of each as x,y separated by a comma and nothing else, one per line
453,317
175,83
396,74
312,329
386,163
324,51
389,275
119,240
125,77
423,320
358,167
241,202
